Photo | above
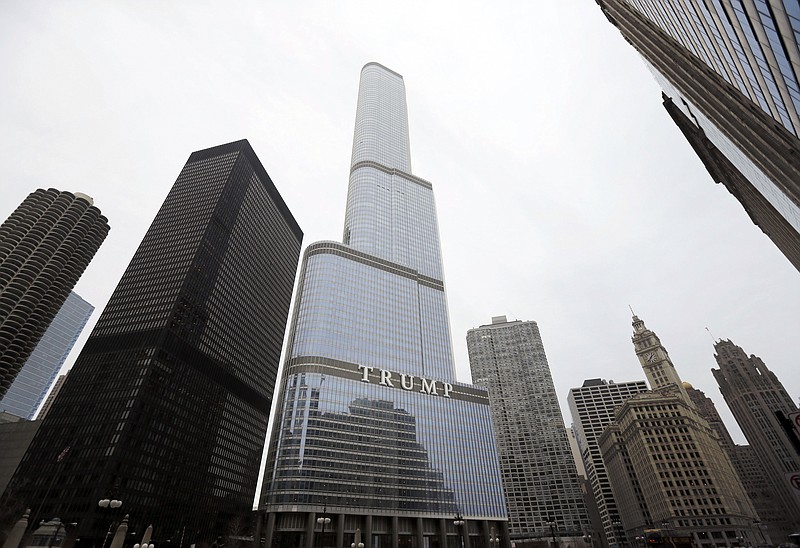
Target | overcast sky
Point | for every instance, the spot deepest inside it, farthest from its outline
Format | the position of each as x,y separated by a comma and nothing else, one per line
565,193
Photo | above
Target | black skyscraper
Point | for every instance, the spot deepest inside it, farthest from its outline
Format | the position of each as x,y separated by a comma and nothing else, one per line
45,246
166,408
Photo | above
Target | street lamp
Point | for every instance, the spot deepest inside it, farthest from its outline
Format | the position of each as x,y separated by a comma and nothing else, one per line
552,524
109,503
357,543
494,540
59,525
589,539
459,523
323,520
113,504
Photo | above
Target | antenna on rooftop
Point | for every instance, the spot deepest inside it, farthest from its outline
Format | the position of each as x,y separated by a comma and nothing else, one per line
712,336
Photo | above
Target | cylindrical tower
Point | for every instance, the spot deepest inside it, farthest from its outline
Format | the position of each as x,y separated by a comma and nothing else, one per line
45,245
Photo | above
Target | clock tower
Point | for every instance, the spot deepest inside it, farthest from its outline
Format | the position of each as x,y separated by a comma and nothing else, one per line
655,360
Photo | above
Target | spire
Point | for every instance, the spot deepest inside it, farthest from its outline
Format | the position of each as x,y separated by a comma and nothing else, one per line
638,325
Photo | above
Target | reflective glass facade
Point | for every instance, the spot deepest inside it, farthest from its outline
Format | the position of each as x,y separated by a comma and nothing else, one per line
752,44
34,379
167,406
782,203
387,449
731,67
371,426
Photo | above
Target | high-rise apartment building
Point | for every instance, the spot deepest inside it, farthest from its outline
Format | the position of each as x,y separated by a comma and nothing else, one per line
34,379
592,407
372,431
729,72
166,408
754,395
752,476
45,245
666,466
539,475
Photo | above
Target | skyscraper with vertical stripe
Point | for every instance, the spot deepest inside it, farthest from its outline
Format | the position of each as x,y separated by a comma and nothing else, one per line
373,432
729,74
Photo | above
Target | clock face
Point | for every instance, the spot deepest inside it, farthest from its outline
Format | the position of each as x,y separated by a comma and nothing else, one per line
650,357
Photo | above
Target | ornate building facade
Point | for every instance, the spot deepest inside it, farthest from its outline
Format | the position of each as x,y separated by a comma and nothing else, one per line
667,468
755,396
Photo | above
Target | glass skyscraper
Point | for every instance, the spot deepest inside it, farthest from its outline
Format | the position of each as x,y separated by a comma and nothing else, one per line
729,72
373,432
34,379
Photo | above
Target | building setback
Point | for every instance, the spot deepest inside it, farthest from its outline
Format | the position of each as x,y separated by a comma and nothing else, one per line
45,245
539,475
592,407
372,431
667,468
167,405
729,73
34,379
754,395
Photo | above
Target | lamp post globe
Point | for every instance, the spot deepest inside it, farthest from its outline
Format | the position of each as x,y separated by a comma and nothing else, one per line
357,540
323,520
494,540
459,523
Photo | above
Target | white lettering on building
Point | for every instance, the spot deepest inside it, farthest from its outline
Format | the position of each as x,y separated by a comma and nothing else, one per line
386,378
428,386
410,385
365,372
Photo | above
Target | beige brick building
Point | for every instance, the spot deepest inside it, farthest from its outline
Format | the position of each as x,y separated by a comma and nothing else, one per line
667,468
